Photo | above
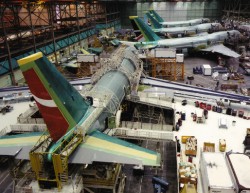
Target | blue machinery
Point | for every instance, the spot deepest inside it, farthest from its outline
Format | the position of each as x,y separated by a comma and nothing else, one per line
160,185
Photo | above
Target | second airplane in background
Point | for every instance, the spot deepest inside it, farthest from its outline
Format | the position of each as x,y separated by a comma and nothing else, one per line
152,40
187,30
177,23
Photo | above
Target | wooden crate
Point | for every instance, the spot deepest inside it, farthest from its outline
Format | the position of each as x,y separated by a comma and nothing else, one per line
184,139
208,147
188,181
189,188
191,152
191,146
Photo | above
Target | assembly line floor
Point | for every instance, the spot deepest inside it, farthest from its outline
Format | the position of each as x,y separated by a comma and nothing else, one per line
210,132
207,81
204,132
136,183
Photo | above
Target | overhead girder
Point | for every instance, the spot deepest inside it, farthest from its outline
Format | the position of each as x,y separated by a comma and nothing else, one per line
48,26
237,9
8,19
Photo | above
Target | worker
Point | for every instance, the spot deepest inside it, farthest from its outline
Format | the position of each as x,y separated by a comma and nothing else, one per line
177,127
178,144
217,84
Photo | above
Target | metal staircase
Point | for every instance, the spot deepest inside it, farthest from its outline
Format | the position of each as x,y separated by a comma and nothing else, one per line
55,173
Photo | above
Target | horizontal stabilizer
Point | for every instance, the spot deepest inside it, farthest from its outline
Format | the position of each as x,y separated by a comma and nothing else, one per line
18,146
104,148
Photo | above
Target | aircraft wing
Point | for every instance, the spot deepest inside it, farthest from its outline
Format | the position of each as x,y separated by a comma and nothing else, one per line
19,145
104,148
221,49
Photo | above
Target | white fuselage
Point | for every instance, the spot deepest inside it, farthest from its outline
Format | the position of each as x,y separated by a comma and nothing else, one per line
184,23
197,40
188,29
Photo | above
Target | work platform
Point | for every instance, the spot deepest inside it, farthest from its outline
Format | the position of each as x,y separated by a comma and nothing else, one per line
143,134
167,68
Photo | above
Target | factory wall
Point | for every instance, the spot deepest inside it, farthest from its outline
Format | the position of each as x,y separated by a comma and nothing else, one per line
173,11
127,9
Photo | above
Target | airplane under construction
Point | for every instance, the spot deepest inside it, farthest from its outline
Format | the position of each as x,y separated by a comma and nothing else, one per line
75,122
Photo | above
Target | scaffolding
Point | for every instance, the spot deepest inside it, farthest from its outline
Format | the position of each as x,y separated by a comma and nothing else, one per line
55,173
87,69
104,176
51,27
237,10
167,68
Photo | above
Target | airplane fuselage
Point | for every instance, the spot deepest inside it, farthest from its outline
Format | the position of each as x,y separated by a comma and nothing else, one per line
190,42
186,42
110,91
188,29
184,23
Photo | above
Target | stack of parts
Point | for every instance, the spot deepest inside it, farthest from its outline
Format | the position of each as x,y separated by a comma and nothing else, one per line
187,173
191,146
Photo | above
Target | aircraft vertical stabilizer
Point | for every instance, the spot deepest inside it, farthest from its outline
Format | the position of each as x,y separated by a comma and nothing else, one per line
147,32
60,104
156,15
134,25
154,23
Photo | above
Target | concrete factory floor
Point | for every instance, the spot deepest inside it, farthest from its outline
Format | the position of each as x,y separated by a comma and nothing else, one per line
207,132
143,183
204,132
207,81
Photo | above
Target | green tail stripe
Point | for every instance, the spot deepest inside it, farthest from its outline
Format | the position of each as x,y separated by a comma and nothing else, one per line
67,98
37,66
55,97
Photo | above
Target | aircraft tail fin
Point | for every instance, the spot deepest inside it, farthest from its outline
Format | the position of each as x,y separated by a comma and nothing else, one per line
134,25
154,23
147,32
156,15
60,104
